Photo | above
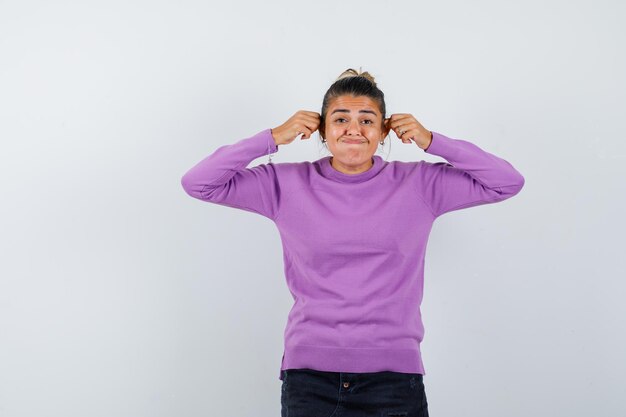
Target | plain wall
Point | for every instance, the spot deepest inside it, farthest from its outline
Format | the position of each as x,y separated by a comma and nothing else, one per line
120,295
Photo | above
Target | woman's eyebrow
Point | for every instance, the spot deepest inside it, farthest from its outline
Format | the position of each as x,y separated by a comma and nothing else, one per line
348,111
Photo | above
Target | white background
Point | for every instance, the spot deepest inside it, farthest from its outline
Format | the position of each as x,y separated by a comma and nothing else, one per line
120,295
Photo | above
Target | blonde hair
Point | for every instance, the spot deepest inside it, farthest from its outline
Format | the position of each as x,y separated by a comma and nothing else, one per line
350,72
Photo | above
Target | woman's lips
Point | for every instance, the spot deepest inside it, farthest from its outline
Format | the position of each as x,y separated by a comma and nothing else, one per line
354,141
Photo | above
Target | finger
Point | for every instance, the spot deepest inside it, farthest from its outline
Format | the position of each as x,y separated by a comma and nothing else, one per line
306,132
396,117
311,122
402,130
310,114
402,124
311,127
394,124
406,136
313,113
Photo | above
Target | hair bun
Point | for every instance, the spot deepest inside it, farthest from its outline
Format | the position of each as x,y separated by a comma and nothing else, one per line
354,73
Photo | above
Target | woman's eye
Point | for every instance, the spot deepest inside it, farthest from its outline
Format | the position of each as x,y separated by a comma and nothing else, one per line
366,121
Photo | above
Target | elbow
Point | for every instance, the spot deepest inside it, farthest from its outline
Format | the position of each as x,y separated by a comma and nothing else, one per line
199,189
513,189
190,186
520,183
185,183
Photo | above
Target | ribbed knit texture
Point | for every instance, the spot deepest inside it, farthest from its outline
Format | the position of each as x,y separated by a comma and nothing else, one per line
353,245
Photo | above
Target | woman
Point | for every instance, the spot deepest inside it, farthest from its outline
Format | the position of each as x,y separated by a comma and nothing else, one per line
354,230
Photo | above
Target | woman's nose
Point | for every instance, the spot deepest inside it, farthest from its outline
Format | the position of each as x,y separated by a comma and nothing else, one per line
354,127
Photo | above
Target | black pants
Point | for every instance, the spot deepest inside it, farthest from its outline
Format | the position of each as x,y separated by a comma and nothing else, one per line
312,393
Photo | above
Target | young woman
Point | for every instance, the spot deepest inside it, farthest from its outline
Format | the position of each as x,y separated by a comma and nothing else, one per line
354,229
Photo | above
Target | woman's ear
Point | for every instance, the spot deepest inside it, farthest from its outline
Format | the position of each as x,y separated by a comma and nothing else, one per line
386,128
322,130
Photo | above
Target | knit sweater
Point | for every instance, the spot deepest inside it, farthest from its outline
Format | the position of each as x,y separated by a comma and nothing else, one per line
353,244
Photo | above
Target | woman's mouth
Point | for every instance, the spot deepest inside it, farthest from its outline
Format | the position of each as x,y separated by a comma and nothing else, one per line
356,141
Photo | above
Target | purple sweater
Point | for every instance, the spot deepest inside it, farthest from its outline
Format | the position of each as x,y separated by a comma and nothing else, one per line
353,244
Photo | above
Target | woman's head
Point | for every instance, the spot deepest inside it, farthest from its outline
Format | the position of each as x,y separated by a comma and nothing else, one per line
353,110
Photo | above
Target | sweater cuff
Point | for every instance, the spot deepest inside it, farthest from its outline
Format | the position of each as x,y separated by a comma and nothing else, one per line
272,147
435,144
432,135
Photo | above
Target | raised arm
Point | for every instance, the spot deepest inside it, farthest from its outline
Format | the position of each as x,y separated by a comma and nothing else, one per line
471,177
222,177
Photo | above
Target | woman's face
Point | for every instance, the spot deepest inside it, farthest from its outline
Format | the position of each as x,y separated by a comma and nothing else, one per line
353,130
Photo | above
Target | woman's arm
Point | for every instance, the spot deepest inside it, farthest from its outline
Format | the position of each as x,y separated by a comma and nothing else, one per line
222,177
471,177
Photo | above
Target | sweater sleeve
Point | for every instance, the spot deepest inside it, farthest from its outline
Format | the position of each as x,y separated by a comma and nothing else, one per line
222,177
471,177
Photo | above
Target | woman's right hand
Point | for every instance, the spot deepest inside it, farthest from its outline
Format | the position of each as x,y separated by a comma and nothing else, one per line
305,122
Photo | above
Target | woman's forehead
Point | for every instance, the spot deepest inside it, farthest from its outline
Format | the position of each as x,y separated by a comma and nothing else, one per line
354,103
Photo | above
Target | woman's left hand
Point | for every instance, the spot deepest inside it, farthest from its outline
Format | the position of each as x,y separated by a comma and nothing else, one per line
409,129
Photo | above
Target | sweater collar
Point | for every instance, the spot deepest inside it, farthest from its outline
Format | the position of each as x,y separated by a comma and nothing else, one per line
327,170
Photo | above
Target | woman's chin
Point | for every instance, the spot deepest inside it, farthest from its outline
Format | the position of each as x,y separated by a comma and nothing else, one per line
351,159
